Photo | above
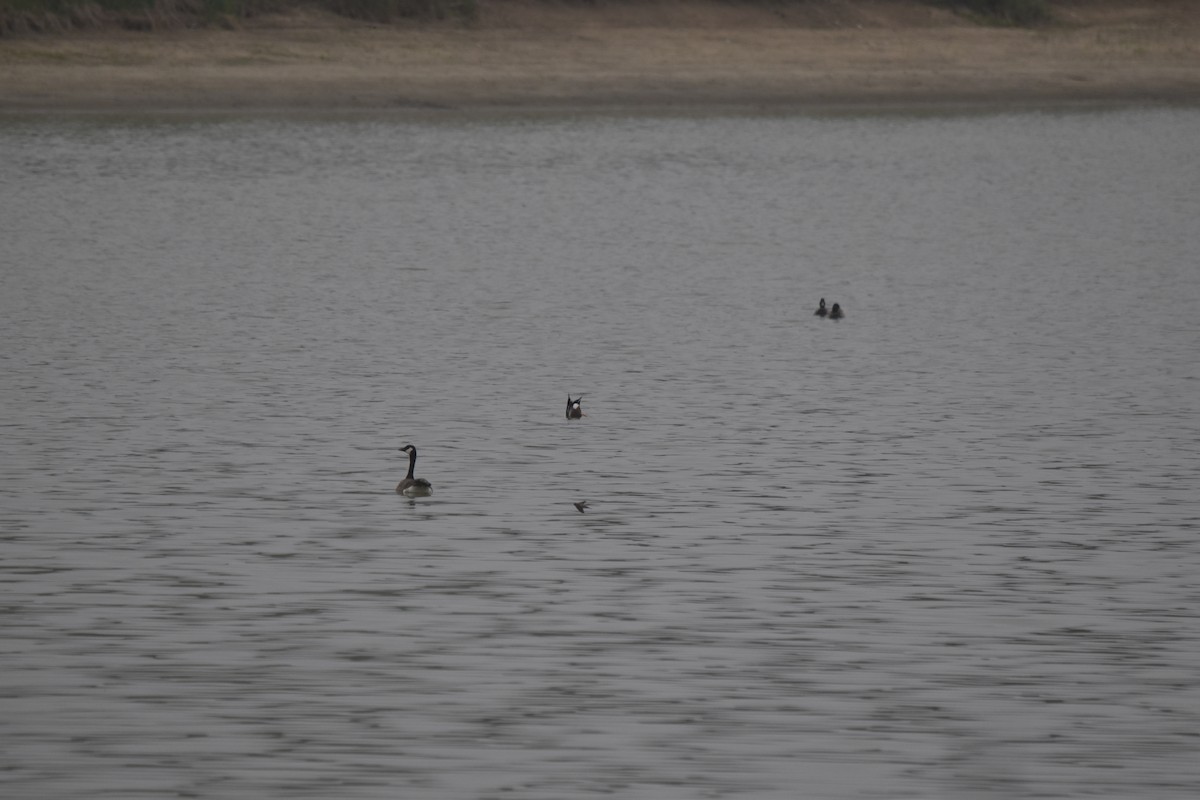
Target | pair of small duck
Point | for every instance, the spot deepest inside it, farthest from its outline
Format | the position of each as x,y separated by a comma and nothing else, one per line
833,313
419,487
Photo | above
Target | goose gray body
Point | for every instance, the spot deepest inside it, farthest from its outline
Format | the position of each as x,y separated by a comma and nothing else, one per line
410,486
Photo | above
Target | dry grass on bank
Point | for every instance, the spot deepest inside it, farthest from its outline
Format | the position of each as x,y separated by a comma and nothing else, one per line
536,53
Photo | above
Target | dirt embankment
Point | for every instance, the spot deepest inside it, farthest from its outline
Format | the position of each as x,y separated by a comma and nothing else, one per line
652,54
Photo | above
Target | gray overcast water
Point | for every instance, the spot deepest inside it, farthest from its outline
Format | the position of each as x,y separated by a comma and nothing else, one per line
945,548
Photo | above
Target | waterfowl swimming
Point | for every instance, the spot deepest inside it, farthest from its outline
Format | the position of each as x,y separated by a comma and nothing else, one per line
821,310
574,410
580,506
836,312
410,486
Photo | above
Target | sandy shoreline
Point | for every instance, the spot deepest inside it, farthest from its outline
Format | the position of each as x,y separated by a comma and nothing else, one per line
880,55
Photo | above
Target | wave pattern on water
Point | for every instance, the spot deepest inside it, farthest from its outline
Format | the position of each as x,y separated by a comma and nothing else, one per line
943,548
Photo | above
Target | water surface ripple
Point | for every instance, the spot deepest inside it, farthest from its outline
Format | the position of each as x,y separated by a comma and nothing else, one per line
945,548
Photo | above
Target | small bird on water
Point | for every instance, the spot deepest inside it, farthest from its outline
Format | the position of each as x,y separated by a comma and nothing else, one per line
836,312
821,309
410,486
574,410
581,505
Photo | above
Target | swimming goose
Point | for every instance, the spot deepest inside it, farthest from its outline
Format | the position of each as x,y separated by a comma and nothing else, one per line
574,410
410,486
821,310
836,312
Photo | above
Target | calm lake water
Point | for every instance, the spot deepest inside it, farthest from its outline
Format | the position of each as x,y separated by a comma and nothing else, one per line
945,548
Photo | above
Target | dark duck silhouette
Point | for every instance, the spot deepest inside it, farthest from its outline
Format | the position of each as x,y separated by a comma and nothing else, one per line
836,312
410,486
574,410
821,309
